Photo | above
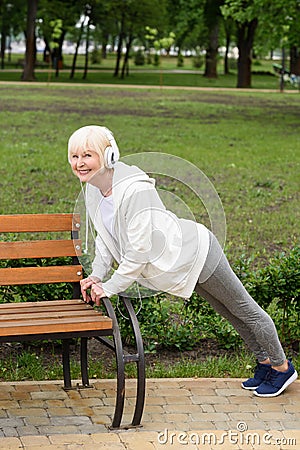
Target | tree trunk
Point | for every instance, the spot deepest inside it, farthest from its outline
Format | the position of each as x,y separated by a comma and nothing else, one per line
119,56
87,43
212,53
228,32
104,45
246,32
5,30
28,73
59,60
3,42
76,49
120,45
47,52
226,58
294,61
9,49
125,68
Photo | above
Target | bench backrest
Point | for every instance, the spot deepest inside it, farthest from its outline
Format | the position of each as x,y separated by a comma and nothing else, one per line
47,226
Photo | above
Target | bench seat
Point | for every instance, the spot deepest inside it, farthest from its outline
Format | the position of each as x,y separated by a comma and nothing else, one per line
50,317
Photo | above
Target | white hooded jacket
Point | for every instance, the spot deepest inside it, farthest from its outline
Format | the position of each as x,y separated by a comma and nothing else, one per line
150,244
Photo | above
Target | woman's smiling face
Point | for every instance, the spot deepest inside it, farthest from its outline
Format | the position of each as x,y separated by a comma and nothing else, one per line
85,164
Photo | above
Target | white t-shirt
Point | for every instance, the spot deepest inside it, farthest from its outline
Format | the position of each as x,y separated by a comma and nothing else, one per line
107,213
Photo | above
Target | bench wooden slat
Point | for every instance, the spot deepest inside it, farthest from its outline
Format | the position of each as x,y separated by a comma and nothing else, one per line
39,249
46,315
10,309
38,275
44,311
52,304
64,325
26,223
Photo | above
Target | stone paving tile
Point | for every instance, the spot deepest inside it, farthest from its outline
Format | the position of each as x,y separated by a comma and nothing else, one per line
209,408
10,443
295,425
69,438
28,430
49,395
37,421
25,412
58,429
10,432
41,415
34,441
4,404
11,422
27,387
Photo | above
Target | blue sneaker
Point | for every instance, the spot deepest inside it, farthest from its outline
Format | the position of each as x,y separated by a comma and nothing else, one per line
260,375
277,382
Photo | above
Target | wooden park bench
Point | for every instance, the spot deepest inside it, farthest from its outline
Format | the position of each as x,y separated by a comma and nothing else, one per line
51,236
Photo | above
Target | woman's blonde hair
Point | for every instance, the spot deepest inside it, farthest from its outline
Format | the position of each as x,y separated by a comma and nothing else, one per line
90,137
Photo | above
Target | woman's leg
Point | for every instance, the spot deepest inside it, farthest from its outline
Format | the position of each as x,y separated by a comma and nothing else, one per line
245,333
222,288
219,284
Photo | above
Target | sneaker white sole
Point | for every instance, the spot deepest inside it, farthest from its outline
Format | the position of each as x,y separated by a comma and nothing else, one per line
286,384
249,388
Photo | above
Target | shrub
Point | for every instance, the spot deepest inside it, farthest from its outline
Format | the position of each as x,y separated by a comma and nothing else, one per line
232,63
164,323
198,61
156,60
180,60
139,58
95,56
174,323
278,283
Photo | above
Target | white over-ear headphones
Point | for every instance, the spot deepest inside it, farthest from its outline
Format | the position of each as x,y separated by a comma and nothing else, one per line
111,153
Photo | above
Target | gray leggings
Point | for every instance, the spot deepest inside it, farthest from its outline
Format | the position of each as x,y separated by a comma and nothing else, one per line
219,285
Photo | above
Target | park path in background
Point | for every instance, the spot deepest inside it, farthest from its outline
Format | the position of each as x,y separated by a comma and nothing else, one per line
139,86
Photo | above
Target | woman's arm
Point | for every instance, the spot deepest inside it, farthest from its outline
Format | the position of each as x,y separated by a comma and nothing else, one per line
135,214
103,260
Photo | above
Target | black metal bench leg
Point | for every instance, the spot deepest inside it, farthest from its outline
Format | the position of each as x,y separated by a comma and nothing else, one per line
84,362
66,363
141,378
118,348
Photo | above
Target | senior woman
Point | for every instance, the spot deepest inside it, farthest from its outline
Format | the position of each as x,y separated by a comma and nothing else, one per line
155,248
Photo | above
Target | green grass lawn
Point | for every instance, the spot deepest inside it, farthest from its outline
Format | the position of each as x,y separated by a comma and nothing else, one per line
246,143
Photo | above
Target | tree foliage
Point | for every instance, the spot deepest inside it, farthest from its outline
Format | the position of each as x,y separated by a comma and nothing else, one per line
273,17
197,26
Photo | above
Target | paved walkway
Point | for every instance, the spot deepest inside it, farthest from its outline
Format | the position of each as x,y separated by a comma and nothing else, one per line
179,414
141,86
